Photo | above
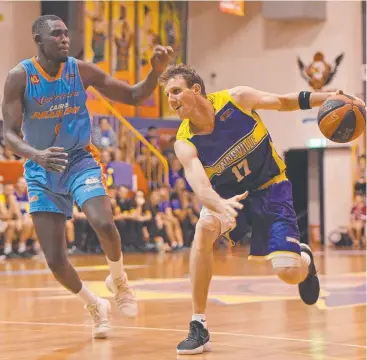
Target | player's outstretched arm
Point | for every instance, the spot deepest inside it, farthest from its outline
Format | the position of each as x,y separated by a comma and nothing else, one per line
252,99
199,182
53,159
120,91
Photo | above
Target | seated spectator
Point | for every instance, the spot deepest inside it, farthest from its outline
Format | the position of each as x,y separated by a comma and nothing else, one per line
7,225
360,185
103,136
175,172
71,243
152,132
123,214
157,228
169,151
142,216
171,223
25,225
357,221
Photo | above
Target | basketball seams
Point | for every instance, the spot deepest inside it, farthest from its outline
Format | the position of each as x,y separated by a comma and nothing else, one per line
346,129
330,123
328,107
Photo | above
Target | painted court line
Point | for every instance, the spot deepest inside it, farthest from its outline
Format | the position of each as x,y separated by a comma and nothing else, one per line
323,356
185,331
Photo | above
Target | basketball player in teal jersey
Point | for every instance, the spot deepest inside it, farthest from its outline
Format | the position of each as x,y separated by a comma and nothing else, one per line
228,156
45,98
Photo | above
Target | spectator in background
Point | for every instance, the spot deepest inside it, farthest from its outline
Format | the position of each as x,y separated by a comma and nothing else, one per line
7,225
142,216
152,132
123,211
175,172
25,224
171,223
157,228
103,136
357,221
360,185
169,151
182,209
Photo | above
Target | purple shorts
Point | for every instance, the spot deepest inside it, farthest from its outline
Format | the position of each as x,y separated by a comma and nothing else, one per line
273,220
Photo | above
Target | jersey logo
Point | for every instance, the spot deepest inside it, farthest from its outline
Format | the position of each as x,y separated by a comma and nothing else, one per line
226,114
35,79
69,76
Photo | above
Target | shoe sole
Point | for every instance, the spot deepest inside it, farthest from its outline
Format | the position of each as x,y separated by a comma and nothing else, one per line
307,301
207,347
102,334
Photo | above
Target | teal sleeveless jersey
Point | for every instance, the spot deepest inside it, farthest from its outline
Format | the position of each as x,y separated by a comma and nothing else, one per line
55,112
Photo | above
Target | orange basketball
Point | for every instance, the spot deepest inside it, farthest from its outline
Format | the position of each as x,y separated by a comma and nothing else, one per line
342,118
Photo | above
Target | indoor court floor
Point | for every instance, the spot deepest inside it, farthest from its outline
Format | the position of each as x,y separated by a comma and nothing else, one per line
251,314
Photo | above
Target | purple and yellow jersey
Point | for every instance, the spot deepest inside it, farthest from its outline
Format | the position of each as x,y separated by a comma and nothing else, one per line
239,154
55,111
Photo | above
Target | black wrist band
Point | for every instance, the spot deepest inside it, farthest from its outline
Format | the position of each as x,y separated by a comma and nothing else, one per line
304,100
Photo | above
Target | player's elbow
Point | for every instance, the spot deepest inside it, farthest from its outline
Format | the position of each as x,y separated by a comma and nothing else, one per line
9,136
136,98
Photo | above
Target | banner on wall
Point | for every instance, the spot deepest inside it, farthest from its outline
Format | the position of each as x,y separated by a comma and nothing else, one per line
173,33
148,24
123,49
96,43
232,7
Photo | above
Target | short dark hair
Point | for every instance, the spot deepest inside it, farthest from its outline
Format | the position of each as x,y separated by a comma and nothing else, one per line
43,22
185,71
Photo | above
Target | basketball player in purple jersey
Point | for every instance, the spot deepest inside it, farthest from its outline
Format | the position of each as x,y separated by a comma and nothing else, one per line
45,98
228,156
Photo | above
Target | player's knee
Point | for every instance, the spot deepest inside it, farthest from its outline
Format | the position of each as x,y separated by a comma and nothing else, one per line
104,226
56,262
287,269
11,225
207,231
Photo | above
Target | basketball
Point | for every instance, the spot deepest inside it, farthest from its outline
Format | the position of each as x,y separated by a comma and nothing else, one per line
342,118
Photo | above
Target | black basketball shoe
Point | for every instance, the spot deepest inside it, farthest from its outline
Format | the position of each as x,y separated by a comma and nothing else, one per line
309,289
197,342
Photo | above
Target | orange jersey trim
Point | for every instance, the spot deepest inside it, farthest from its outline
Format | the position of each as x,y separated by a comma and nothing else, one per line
95,154
43,72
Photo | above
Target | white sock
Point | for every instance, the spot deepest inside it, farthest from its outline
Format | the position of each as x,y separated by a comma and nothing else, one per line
306,257
201,318
21,248
87,296
36,247
7,248
116,268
